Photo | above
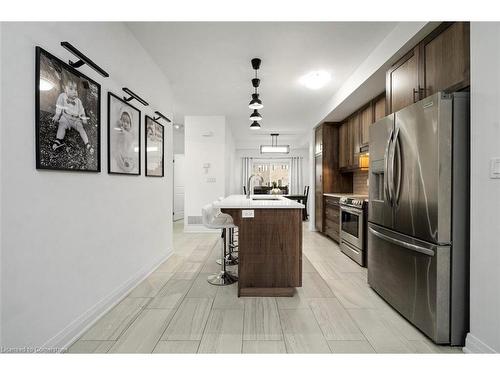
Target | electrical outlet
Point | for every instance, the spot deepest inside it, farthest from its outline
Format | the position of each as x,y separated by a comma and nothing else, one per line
495,168
211,180
247,213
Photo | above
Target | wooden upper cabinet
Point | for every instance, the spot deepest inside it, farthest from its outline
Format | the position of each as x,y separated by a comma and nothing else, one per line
402,82
365,120
355,135
344,145
440,62
445,58
379,108
318,137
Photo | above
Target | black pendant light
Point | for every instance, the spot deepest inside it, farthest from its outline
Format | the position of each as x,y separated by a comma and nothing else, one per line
255,126
255,116
255,103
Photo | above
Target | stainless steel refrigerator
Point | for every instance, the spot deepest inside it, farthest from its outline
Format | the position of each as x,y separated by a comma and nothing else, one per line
418,228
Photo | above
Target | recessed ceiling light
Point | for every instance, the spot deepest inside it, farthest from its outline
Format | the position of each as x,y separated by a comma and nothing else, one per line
315,80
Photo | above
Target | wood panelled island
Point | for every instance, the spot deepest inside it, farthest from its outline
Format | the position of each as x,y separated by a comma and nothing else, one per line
269,244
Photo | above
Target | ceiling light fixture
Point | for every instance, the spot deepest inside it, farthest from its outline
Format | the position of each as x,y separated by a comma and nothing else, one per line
255,116
255,103
255,126
274,148
315,80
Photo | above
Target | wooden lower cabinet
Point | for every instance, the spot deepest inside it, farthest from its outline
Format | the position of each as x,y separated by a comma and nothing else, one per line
332,217
270,251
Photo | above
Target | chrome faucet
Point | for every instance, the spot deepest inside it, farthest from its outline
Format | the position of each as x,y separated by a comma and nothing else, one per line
250,180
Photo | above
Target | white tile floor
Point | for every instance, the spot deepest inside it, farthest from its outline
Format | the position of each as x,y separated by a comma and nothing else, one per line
175,310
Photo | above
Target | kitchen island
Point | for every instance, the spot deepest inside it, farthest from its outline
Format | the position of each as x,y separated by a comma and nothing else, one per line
269,244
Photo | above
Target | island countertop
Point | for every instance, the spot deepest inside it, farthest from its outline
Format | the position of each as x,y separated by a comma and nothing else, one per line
257,201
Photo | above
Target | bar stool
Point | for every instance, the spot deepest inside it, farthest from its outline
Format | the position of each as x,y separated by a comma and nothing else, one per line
223,222
231,259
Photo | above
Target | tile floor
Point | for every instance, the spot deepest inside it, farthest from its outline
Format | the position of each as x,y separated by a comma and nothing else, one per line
175,310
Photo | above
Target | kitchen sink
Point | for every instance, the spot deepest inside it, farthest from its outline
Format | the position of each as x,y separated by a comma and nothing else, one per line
266,198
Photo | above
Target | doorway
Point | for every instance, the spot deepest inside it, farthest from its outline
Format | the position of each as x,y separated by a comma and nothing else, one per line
179,179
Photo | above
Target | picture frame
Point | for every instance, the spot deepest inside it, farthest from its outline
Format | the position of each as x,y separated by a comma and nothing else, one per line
67,116
124,137
154,140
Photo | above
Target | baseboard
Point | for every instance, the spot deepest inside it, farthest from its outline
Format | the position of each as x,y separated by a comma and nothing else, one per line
69,334
474,345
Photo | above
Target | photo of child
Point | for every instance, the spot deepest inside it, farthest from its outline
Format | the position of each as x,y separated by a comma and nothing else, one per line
70,114
68,121
154,148
124,123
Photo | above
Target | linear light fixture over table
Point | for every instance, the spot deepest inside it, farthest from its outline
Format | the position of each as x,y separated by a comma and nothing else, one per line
274,148
83,59
133,95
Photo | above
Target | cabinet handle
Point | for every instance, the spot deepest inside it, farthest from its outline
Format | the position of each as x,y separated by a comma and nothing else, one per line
420,91
416,92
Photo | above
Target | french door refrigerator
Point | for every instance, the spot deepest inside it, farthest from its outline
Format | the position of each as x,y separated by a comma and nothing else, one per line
418,214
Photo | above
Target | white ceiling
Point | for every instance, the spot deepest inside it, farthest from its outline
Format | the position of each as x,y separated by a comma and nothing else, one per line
208,65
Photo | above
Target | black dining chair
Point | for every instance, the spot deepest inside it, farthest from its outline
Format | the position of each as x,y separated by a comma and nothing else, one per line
306,195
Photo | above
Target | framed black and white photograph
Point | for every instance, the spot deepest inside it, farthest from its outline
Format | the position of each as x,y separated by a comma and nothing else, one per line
124,137
154,148
68,116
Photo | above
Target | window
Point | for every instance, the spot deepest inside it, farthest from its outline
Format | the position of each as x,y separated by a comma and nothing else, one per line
272,170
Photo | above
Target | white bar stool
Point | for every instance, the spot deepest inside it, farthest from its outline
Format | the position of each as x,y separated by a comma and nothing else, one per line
223,222
232,248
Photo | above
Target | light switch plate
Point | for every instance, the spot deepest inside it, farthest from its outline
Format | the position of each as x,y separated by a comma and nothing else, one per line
247,213
495,168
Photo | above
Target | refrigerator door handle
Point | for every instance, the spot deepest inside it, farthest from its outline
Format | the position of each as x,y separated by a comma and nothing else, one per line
387,189
406,245
397,153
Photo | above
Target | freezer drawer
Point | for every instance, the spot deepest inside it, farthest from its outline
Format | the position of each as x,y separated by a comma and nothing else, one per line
412,276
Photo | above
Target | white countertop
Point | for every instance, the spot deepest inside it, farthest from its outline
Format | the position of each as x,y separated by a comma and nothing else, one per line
263,201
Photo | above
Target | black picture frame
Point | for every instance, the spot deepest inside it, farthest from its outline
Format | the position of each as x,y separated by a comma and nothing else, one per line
110,145
51,160
150,120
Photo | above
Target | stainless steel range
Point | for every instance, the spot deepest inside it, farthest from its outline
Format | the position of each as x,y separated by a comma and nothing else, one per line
353,227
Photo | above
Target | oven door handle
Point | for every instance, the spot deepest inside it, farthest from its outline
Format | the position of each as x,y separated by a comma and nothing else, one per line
351,211
406,245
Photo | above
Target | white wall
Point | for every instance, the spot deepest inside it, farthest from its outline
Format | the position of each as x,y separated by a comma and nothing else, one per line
199,150
484,333
72,243
230,162
1,184
178,140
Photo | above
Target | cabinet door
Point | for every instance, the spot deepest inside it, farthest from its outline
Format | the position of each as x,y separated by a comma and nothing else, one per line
318,140
354,141
402,82
318,212
379,108
344,145
444,59
365,120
